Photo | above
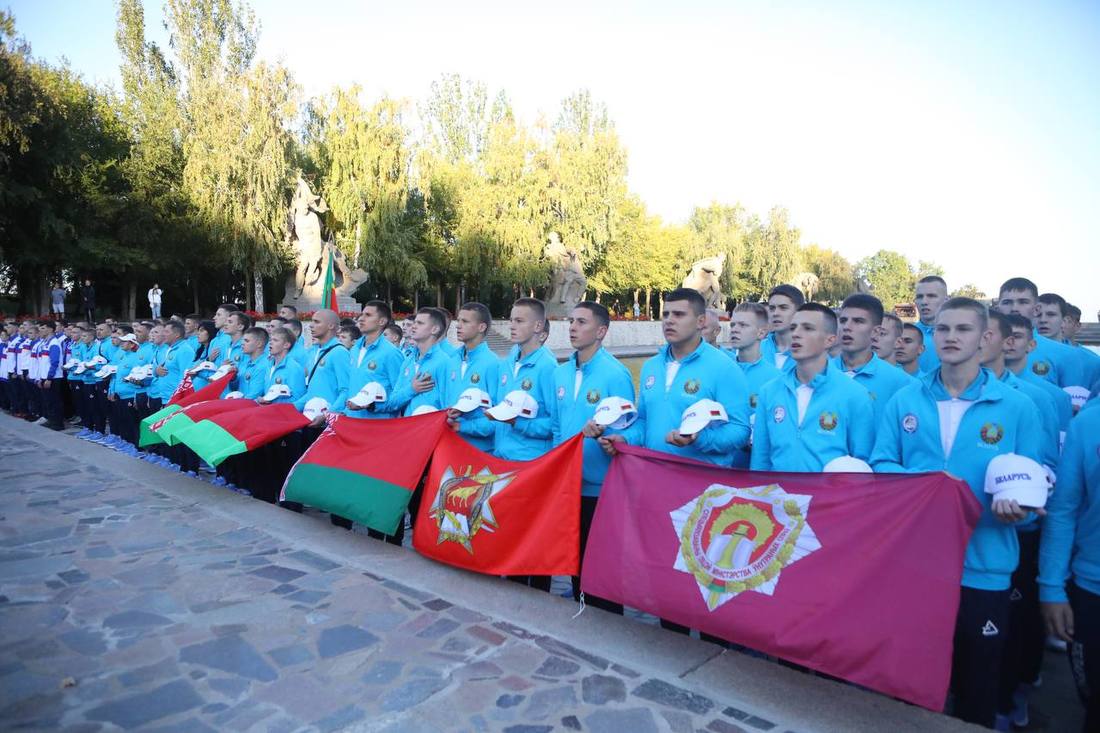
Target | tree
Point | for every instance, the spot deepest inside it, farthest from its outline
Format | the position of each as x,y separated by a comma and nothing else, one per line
970,291
890,276
718,229
772,255
835,275
927,267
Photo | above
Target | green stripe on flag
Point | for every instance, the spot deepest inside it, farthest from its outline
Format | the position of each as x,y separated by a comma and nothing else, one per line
209,441
170,431
378,504
147,436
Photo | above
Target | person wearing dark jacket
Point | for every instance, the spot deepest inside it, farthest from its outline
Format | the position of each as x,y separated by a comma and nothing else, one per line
87,297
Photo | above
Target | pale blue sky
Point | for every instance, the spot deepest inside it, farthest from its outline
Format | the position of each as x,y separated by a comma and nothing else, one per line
963,132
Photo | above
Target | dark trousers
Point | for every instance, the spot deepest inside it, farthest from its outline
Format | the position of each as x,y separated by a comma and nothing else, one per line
52,407
588,511
20,395
68,403
99,406
34,398
76,397
1023,654
1084,652
398,537
981,630
5,395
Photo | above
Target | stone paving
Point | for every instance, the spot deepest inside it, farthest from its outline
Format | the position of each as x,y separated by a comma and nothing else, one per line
123,607
128,606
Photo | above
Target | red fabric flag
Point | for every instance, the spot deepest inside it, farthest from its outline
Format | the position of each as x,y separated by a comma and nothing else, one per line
225,429
366,470
855,575
501,517
186,394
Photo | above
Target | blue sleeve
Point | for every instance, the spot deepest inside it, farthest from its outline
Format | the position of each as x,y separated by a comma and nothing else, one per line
861,432
635,434
886,453
55,358
475,422
342,367
1060,524
622,385
733,394
555,416
391,371
539,426
402,392
761,458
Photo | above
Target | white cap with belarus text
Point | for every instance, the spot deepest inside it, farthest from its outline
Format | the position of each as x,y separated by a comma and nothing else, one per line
615,413
275,392
372,392
315,407
1012,476
515,404
471,399
235,395
701,414
847,464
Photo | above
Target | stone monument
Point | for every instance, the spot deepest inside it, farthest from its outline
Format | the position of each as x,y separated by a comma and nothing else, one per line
704,277
305,284
567,280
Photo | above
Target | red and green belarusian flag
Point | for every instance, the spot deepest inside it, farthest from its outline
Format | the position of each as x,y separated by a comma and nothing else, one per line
169,428
366,470
227,428
184,396
328,293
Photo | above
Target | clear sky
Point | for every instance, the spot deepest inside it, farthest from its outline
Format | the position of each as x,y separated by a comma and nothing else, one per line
967,133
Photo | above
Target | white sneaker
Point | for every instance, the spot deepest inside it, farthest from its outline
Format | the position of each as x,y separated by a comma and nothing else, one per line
41,421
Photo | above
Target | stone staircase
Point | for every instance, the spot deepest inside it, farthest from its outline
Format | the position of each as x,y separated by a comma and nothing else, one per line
1089,334
499,343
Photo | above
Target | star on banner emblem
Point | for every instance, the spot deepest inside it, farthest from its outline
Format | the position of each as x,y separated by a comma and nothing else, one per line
733,540
461,508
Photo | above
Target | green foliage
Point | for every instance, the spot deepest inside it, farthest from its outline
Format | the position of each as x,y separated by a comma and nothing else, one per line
835,275
890,276
970,291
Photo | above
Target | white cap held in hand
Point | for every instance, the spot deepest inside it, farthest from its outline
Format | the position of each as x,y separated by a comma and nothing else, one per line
615,413
471,399
1019,478
515,404
701,414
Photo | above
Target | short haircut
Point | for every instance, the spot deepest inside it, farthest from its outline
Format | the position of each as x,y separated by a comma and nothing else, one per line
193,317
177,327
285,334
865,302
1054,299
1073,311
295,327
394,328
893,318
692,296
293,309
436,318
1000,320
1020,283
789,291
534,304
256,332
1015,320
932,279
971,305
382,308
276,319
124,327
352,330
244,319
482,312
48,324
912,327
230,307
828,316
758,309
147,324
345,322
599,312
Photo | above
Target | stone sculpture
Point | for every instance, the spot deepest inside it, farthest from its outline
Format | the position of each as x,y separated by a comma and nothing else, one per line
567,280
311,250
704,276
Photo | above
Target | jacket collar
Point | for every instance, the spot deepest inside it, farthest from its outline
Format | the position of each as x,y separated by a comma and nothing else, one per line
982,389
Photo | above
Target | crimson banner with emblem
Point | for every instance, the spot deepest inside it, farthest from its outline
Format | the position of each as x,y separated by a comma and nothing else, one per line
851,574
500,517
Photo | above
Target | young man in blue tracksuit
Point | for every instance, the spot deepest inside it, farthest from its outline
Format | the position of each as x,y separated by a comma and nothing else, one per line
1049,322
685,371
373,358
283,371
219,345
1016,352
783,302
1069,558
748,328
956,419
1050,359
860,315
813,413
911,344
236,323
326,367
170,371
590,376
930,296
253,365
474,365
121,393
529,368
424,372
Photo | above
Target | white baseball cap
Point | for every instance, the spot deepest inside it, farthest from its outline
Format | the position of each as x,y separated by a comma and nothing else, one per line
96,360
702,413
1077,395
70,364
424,410
515,404
205,366
235,395
127,338
80,368
615,413
371,392
276,391
315,407
471,399
847,464
107,371
1012,476
222,371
